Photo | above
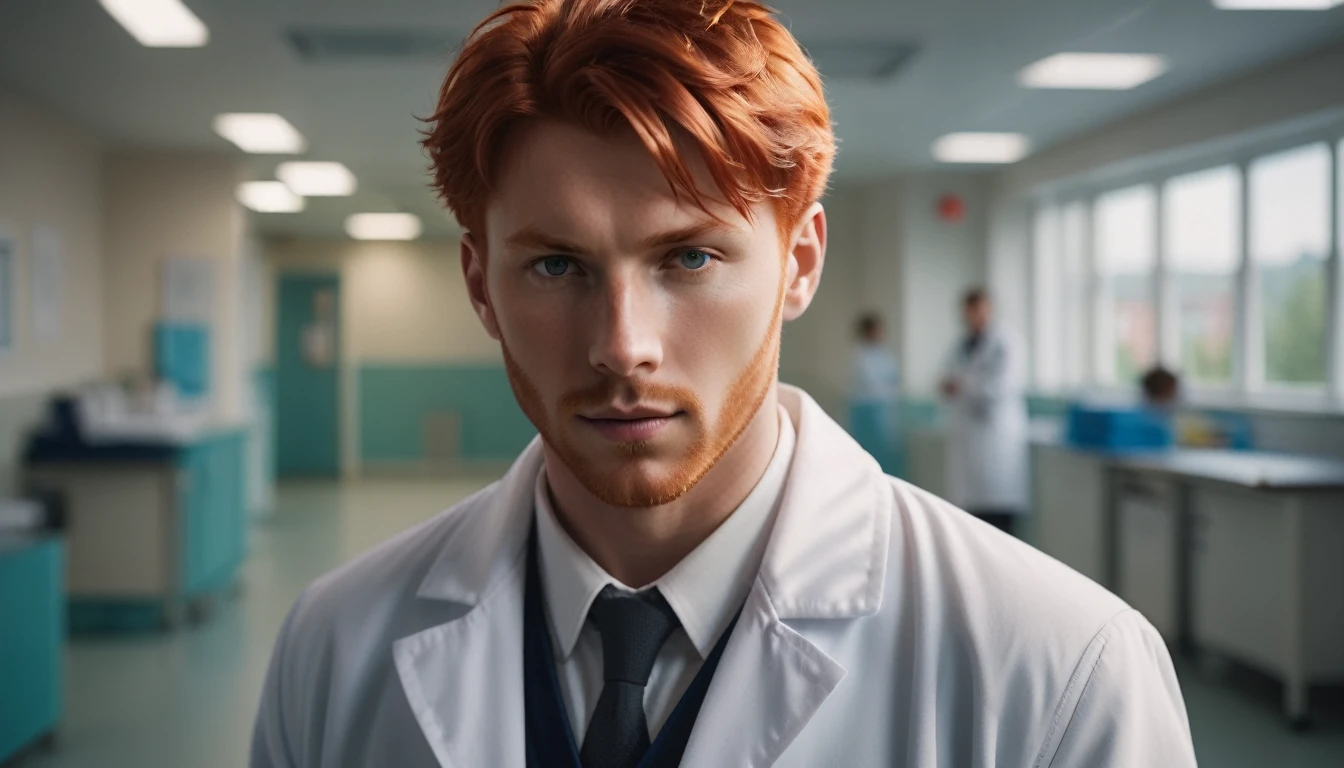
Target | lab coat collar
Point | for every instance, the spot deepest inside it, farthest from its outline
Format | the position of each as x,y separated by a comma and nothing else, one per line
826,558
490,539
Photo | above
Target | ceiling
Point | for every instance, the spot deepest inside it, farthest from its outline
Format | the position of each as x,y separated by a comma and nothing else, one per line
71,56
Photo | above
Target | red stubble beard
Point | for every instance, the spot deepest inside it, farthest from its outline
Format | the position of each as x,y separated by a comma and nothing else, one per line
627,485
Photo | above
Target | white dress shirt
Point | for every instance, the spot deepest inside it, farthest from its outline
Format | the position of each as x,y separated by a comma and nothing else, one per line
705,590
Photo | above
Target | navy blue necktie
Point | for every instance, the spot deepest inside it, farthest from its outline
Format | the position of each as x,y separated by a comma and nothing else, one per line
634,628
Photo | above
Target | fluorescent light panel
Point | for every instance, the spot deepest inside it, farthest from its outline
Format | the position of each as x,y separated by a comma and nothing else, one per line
317,179
1277,5
980,148
269,197
263,133
1099,71
383,226
159,23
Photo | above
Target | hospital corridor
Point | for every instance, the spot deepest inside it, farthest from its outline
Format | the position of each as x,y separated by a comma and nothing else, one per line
918,383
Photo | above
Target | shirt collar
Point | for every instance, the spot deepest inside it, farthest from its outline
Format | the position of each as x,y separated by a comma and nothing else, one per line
705,589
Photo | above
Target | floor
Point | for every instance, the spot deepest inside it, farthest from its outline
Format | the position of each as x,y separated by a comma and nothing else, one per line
187,700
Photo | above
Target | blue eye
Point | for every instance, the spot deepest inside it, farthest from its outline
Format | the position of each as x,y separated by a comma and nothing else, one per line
694,260
553,266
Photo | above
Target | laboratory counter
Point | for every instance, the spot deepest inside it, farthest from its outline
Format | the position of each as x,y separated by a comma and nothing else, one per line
156,528
1232,552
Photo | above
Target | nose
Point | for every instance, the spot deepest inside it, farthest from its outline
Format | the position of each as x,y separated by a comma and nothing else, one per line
627,341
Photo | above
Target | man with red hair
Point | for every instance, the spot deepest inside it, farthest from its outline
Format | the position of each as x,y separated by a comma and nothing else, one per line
692,564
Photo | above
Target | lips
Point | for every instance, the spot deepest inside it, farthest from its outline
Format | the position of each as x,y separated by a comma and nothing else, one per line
632,414
635,425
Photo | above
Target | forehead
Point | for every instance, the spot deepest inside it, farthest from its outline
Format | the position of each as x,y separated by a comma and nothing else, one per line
563,179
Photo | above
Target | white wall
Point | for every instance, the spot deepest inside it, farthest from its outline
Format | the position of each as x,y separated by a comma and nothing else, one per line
162,205
50,178
814,352
400,302
941,261
890,252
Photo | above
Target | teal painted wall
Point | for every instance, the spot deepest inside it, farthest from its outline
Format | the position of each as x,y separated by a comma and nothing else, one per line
395,399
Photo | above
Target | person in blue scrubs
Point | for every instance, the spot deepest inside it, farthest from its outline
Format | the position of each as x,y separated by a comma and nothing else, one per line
874,394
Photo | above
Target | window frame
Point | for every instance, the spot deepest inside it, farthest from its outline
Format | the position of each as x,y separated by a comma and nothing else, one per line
1248,387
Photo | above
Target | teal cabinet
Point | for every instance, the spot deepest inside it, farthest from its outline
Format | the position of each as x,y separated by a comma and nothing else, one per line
152,536
213,507
32,631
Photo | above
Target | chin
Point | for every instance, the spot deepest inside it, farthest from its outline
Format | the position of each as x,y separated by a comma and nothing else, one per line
634,475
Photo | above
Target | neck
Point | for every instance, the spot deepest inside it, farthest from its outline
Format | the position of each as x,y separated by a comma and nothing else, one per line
638,546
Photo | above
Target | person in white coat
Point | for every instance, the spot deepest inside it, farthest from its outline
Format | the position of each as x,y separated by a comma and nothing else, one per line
692,564
987,448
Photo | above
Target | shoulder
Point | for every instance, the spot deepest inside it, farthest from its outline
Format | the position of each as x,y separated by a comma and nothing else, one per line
999,586
381,582
1015,633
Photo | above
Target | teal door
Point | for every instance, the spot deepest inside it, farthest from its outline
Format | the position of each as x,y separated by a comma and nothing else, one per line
307,372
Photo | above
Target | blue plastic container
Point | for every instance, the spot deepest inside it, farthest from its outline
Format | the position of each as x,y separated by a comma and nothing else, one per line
1117,429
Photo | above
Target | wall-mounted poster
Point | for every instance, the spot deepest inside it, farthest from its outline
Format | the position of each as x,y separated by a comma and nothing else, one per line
188,290
48,284
6,294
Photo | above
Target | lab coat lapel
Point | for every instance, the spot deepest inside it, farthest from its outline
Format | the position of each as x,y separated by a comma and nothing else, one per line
482,567
827,559
769,683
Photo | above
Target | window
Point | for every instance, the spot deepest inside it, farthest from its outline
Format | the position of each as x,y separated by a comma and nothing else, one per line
1290,237
1047,298
1202,233
1126,257
1074,279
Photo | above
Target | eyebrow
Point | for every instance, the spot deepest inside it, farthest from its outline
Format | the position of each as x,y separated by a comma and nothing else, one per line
531,237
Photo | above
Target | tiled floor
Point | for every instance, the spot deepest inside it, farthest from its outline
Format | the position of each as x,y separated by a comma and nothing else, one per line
186,700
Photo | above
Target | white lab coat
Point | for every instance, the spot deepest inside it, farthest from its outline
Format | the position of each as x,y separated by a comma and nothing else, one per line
987,450
884,628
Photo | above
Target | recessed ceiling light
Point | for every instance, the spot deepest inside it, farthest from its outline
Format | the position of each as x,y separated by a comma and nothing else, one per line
1101,71
980,148
269,197
317,179
1277,5
383,226
159,23
264,133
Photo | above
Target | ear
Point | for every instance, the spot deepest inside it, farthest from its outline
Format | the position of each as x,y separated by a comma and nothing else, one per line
473,271
807,255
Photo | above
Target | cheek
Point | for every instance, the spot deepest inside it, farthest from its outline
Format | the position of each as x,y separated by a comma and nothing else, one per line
538,329
715,335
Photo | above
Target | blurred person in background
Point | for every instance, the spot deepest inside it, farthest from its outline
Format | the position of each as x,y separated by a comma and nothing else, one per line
692,564
1161,388
874,393
987,418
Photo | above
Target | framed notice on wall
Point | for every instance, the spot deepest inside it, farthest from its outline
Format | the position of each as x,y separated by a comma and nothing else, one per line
188,290
48,284
7,294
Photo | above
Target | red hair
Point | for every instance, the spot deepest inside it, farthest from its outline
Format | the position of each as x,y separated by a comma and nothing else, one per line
725,74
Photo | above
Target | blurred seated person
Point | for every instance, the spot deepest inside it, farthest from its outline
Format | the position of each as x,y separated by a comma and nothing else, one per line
1161,388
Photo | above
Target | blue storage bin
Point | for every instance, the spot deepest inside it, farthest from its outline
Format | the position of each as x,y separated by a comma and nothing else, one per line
1117,429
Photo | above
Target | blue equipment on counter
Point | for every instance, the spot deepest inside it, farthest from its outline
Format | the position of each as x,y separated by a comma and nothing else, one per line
1118,428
